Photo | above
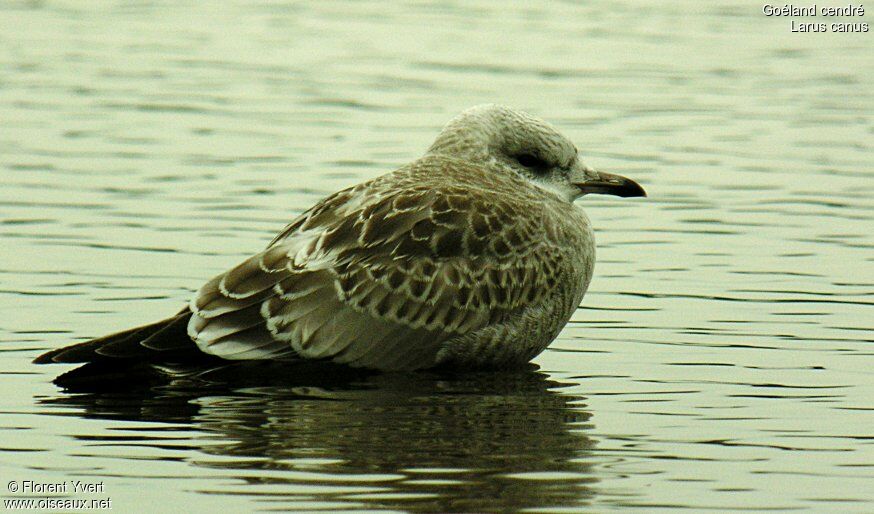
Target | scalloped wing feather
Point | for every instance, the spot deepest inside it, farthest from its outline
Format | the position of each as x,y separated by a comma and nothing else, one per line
381,275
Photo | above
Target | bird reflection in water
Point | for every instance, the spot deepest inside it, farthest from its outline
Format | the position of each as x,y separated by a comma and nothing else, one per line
425,442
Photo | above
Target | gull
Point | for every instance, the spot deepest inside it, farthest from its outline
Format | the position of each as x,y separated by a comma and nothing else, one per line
472,256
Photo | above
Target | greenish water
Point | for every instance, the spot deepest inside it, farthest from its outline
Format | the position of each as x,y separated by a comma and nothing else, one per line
722,359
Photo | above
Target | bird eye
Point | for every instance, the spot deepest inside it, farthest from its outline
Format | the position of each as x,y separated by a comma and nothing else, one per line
532,161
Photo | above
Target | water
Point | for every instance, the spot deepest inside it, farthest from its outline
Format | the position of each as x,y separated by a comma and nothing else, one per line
722,359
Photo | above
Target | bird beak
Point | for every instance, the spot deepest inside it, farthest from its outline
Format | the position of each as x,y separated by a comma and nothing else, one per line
609,184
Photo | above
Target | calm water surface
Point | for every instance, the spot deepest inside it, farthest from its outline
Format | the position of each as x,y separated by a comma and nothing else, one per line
722,359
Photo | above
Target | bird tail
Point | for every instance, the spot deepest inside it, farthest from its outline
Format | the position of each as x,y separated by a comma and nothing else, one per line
150,342
118,355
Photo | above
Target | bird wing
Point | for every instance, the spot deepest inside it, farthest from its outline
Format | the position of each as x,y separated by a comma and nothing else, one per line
380,275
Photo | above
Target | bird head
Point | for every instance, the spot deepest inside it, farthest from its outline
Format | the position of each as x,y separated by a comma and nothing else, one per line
511,141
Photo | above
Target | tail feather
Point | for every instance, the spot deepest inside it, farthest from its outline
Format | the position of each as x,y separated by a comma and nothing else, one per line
155,342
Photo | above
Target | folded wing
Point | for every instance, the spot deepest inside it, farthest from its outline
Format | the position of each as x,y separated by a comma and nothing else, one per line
380,278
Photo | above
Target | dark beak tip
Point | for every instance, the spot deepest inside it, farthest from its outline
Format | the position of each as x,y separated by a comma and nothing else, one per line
634,190
627,188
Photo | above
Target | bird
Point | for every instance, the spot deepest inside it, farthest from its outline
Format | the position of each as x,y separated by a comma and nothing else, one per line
473,256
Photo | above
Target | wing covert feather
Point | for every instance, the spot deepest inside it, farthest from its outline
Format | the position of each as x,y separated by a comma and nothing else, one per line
381,277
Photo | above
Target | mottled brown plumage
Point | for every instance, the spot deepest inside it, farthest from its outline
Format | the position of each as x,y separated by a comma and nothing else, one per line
472,256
